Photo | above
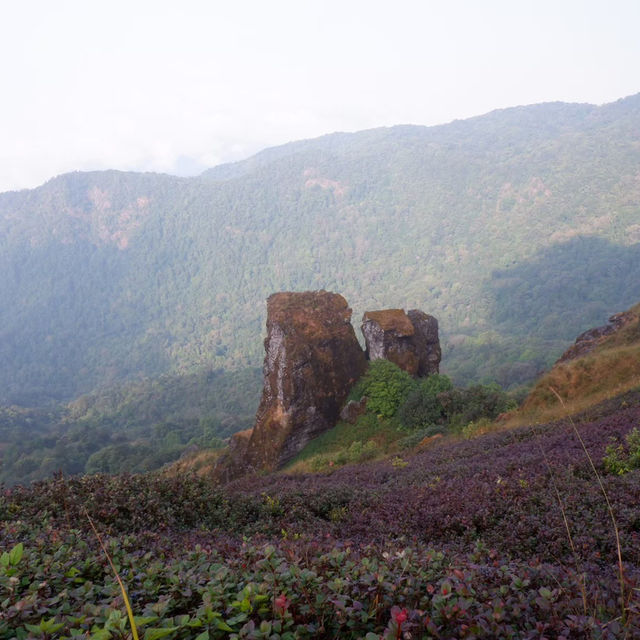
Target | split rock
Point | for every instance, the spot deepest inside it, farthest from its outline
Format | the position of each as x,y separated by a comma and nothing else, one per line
408,340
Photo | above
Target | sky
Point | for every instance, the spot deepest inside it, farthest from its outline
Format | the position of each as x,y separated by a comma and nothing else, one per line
178,87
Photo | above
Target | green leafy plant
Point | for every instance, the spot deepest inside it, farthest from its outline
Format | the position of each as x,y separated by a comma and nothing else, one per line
465,541
422,406
473,429
416,437
356,452
10,559
386,386
463,406
619,459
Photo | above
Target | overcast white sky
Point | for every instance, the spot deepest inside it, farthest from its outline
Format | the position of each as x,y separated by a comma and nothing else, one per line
180,85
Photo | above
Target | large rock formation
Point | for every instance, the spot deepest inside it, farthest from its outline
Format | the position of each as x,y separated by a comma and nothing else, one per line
312,360
409,340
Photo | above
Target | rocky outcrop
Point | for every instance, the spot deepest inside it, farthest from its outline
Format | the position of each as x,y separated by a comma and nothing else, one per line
409,340
312,360
590,339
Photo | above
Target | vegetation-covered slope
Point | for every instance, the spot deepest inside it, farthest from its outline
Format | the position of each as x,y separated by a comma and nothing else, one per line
487,223
468,540
608,367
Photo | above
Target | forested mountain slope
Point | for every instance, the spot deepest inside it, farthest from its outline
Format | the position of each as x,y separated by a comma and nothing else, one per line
517,230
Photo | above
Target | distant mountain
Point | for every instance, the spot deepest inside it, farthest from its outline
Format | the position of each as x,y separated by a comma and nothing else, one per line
517,230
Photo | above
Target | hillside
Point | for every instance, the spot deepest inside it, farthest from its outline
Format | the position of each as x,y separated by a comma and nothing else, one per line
517,230
504,536
602,364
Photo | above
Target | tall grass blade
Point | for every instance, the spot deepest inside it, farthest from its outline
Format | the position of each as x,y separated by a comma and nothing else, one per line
127,604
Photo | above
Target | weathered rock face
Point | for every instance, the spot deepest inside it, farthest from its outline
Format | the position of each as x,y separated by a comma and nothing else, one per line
388,335
426,342
312,360
409,340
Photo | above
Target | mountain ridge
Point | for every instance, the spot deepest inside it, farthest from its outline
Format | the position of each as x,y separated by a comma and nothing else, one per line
116,275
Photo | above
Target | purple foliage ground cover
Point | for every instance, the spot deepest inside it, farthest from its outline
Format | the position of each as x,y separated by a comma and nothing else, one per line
467,540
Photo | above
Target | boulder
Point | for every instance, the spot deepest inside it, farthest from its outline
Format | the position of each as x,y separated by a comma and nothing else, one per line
353,410
312,360
408,340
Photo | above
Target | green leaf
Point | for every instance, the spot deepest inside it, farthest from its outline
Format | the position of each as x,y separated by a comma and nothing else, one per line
223,626
155,634
45,626
265,627
141,621
203,636
15,555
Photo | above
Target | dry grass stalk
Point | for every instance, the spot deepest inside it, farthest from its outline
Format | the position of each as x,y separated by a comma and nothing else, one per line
127,604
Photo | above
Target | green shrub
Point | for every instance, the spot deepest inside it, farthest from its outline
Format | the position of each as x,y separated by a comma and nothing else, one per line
422,406
633,442
386,386
463,406
357,452
619,459
615,459
474,428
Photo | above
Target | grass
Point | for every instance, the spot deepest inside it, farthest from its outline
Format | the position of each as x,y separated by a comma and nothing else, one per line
609,370
202,463
584,382
383,434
